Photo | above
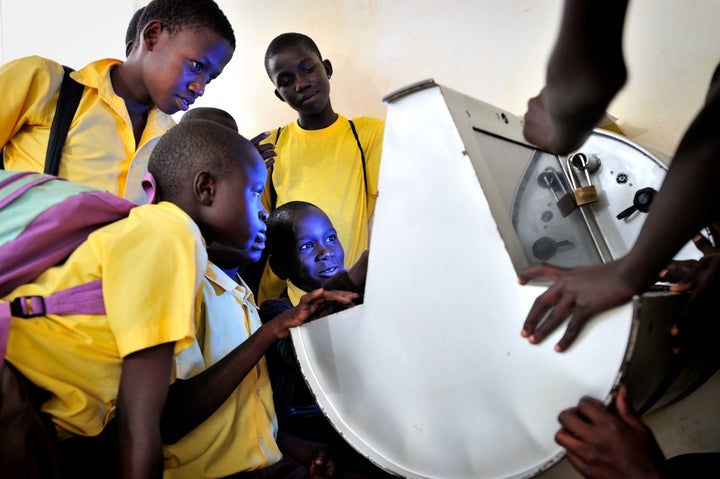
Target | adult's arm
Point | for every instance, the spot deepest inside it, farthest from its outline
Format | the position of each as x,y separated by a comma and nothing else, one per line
685,203
585,72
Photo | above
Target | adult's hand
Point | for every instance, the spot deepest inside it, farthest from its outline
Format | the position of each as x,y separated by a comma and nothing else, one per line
541,130
578,294
602,444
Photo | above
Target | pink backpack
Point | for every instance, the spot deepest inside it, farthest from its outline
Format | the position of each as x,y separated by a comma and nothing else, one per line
43,218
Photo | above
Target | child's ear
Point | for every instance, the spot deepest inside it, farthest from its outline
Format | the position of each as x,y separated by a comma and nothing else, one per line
328,67
205,187
151,33
277,267
277,94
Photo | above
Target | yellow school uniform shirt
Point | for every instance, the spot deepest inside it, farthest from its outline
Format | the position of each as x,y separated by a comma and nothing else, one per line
151,266
324,167
240,435
100,149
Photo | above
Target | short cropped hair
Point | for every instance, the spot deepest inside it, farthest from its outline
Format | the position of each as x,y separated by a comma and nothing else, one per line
132,30
280,226
176,15
217,115
192,146
287,40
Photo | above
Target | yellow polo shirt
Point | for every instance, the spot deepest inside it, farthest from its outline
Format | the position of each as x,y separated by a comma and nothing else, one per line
324,167
240,435
151,266
100,149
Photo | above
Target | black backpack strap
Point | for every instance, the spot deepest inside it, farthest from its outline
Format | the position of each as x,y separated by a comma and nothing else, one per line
362,155
68,101
273,193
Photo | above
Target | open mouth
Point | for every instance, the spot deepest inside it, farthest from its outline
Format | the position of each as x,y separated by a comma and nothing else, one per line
329,271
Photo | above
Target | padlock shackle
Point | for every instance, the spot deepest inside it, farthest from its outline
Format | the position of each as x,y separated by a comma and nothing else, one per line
571,166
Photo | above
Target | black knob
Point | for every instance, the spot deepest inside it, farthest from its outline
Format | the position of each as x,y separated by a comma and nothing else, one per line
545,247
641,202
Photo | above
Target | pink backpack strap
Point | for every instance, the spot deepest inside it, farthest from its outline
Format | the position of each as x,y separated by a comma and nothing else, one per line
83,299
149,186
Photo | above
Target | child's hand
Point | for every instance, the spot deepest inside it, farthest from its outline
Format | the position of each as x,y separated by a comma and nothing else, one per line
266,150
311,304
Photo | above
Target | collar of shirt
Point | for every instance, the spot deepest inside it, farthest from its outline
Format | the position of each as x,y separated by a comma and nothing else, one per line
218,277
97,75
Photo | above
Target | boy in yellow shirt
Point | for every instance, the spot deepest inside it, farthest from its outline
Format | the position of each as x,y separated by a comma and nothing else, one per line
323,157
225,370
96,368
125,106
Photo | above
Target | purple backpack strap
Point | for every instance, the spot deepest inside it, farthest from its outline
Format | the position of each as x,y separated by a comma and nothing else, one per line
4,329
83,299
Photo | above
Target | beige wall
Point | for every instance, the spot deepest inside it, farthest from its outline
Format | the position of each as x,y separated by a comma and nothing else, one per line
494,50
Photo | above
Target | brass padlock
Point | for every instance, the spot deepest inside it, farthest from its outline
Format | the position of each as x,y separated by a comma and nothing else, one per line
583,194
550,180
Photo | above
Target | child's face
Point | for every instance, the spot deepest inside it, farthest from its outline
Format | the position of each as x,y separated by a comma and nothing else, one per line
177,68
238,215
301,79
316,254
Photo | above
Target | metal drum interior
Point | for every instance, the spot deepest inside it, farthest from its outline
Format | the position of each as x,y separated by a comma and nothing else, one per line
430,378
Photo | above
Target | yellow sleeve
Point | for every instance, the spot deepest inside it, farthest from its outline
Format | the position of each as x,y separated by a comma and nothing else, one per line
151,279
28,85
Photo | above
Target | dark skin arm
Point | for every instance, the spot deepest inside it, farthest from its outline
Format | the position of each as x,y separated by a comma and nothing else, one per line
144,385
602,444
585,71
686,201
192,401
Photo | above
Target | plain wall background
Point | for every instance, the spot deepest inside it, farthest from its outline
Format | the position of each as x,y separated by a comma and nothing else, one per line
493,50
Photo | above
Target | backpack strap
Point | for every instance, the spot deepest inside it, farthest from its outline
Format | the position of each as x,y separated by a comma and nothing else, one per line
273,193
68,101
83,299
362,155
